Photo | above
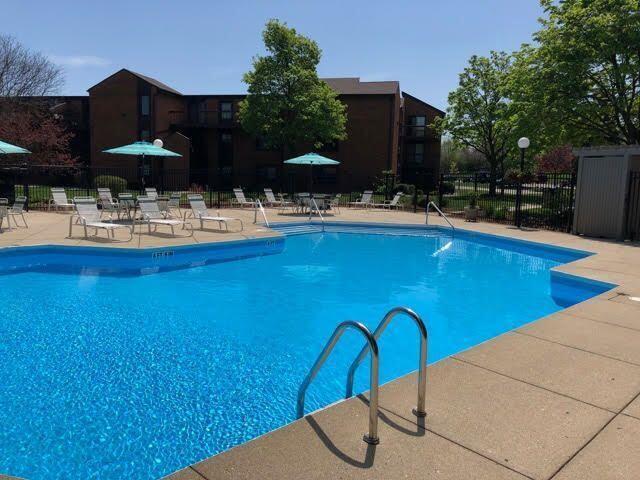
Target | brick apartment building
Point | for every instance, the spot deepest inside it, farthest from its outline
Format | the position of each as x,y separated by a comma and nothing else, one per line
387,130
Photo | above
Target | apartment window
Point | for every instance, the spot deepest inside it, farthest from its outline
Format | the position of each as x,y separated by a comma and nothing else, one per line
225,137
226,110
415,153
417,126
145,105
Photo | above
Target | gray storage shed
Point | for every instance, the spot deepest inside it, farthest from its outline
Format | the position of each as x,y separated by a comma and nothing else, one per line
602,189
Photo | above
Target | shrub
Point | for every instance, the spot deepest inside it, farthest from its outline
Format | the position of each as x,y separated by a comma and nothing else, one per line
116,184
489,211
405,188
385,183
514,175
448,188
473,200
500,213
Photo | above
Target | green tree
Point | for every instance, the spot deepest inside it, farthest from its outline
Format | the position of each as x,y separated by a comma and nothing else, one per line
287,105
478,115
579,82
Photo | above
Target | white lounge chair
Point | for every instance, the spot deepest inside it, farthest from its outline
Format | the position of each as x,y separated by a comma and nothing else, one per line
365,200
174,202
151,192
17,210
334,203
88,215
390,204
272,201
59,200
241,200
151,215
4,213
199,212
108,203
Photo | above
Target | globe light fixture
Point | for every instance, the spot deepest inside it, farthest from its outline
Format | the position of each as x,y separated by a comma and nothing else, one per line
158,143
523,142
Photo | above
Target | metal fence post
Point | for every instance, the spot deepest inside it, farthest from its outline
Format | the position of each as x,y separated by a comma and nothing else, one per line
518,213
440,190
415,198
572,210
25,186
87,179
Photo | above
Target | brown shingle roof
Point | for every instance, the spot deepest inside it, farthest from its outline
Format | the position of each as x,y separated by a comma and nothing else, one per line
152,81
156,83
405,94
353,86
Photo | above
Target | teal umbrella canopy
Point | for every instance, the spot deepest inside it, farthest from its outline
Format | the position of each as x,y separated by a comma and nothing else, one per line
143,148
7,148
312,159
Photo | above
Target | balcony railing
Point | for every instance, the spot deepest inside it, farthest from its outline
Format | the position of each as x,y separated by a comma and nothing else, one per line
203,118
417,132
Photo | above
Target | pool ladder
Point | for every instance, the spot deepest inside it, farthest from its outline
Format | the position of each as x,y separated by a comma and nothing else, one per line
432,204
258,207
371,346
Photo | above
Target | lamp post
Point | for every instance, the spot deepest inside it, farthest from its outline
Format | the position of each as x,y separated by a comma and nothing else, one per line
523,144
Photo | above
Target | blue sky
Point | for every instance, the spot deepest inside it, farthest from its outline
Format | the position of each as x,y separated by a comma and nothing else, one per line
204,46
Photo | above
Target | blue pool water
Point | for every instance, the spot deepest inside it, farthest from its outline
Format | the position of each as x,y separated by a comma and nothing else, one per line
134,376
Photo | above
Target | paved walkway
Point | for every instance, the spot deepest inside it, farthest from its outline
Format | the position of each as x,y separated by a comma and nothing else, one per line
558,398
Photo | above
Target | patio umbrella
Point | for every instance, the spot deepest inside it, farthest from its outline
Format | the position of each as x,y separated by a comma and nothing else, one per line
143,148
7,148
311,159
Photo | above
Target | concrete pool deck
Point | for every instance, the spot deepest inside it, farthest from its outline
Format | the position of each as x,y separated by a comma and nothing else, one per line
557,398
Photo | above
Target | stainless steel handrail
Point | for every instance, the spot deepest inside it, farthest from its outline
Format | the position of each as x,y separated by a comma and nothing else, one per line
372,345
441,214
258,206
317,210
422,365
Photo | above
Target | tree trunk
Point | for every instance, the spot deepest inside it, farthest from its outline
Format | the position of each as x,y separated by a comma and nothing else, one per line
492,178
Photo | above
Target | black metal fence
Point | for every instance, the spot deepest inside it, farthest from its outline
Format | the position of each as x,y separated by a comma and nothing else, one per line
216,185
633,207
546,200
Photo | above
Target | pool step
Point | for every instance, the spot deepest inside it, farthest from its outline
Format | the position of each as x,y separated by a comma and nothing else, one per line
372,230
300,229
297,229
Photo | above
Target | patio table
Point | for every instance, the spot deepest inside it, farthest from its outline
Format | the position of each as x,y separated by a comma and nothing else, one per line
127,205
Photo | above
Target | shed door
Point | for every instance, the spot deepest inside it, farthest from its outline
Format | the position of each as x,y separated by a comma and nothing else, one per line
600,196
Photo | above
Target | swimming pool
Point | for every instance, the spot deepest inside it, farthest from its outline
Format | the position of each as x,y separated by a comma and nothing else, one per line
110,373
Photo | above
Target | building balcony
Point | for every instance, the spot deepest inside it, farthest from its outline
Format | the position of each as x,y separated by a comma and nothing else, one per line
413,132
203,119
